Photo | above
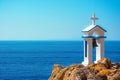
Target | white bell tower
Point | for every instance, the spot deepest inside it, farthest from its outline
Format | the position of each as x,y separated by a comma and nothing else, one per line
93,37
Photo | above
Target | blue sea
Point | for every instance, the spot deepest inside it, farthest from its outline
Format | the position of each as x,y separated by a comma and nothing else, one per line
33,60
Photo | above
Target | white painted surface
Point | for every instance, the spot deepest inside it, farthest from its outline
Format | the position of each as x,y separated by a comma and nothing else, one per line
93,30
100,50
88,59
89,28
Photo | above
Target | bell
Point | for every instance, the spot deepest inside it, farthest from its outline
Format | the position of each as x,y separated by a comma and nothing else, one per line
94,43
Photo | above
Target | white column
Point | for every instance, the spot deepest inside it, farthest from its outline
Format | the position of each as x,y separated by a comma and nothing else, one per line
88,48
100,49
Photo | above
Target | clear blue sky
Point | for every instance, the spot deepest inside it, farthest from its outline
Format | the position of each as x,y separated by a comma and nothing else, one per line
56,19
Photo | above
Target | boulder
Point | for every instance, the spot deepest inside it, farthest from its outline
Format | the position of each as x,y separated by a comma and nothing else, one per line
114,75
103,70
106,62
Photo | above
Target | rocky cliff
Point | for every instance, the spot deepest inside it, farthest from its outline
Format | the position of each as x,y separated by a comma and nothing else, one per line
103,70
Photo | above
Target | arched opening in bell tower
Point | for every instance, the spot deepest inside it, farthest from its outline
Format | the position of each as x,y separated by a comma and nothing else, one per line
94,45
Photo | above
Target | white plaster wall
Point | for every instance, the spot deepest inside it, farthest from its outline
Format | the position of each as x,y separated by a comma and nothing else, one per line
90,47
85,58
100,49
86,34
88,59
96,30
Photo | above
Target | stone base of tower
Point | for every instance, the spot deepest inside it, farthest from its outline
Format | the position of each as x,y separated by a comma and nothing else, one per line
96,61
85,63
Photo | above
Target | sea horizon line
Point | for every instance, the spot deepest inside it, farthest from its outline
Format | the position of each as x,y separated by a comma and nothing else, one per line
52,40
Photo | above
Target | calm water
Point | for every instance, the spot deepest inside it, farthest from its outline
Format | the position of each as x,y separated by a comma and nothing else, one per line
33,60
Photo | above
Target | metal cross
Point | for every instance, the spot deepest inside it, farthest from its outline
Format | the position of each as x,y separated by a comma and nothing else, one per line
93,18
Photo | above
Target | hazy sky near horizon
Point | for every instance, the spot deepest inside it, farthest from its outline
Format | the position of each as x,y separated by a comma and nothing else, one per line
56,19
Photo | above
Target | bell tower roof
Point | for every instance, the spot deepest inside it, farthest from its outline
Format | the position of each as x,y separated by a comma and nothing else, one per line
92,26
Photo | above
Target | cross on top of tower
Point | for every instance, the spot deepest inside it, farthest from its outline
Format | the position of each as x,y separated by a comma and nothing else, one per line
93,18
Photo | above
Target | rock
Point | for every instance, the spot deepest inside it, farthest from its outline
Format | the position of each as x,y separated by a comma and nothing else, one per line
57,69
116,65
101,65
104,73
103,70
114,75
106,62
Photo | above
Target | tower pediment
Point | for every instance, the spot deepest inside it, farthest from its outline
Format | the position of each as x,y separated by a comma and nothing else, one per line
92,27
94,31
